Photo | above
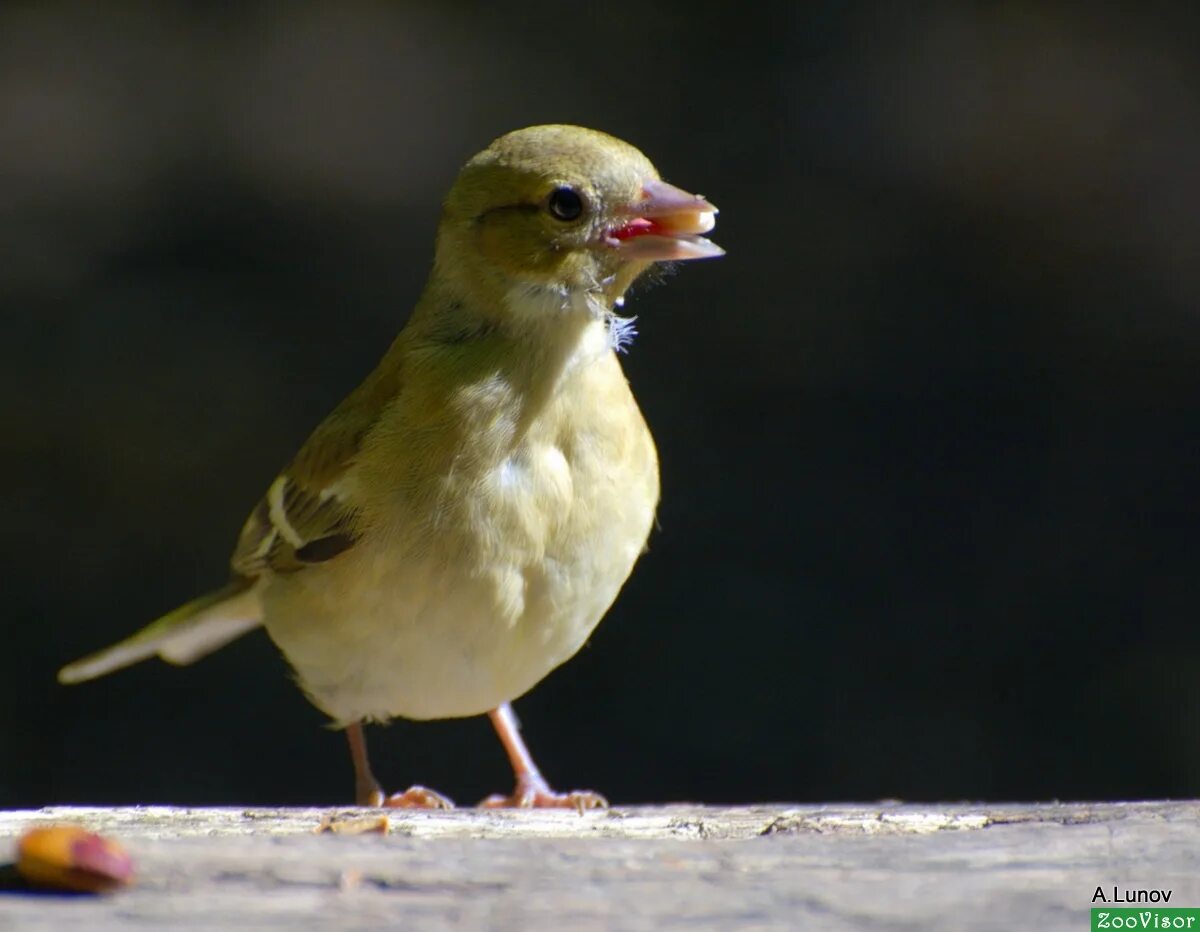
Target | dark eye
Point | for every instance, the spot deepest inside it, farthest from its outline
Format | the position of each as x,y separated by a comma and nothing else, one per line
565,204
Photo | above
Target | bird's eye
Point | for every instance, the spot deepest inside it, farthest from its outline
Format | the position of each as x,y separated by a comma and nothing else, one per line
565,204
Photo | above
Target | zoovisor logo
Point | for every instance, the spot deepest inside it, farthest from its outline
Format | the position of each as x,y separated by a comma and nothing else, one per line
1132,917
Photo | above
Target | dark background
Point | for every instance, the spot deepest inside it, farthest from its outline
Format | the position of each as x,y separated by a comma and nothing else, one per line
929,432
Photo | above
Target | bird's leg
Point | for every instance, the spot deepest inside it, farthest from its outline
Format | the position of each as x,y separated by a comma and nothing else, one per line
368,792
532,790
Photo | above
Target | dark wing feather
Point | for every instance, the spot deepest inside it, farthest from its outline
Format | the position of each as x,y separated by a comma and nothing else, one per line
304,519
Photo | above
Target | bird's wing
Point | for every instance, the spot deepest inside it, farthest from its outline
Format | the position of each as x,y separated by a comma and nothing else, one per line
302,520
306,516
293,526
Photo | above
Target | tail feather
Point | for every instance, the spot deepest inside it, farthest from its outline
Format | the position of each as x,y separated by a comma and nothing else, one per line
180,637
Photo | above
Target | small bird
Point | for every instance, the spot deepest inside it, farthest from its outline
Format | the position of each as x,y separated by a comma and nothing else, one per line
460,523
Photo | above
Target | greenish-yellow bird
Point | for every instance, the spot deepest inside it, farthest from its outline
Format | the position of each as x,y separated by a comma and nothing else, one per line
460,523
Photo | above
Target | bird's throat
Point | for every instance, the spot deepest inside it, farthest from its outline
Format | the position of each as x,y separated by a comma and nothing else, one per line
537,340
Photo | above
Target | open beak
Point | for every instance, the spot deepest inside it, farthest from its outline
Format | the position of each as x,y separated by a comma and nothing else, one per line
665,225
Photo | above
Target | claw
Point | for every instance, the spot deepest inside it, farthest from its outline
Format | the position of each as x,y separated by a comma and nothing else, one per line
534,793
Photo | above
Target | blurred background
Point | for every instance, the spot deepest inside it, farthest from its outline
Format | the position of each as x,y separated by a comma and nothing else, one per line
930,433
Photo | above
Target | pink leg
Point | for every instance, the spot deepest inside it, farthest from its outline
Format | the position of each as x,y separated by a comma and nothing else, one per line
368,792
532,791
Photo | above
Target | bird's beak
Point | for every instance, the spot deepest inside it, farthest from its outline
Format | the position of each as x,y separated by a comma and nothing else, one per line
664,225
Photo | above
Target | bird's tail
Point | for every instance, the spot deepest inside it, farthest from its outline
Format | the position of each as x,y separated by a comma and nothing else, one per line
180,637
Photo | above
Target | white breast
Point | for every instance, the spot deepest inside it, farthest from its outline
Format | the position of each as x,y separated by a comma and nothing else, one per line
511,574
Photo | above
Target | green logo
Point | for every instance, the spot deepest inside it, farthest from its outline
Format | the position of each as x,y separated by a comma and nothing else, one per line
1132,917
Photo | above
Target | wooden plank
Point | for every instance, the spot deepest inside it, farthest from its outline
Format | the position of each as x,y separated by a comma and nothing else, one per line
883,866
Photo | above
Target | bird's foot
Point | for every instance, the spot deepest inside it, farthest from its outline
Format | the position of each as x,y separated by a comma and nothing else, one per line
368,792
535,793
418,797
415,797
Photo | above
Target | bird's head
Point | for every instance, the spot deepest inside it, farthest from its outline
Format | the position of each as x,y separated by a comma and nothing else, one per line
566,211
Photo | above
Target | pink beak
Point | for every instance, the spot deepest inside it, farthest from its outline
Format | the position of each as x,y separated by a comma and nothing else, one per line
664,226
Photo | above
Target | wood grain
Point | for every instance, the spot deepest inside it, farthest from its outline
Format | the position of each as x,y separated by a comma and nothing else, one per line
881,866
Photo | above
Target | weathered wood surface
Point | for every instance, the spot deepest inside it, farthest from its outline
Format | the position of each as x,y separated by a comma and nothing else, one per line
882,866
